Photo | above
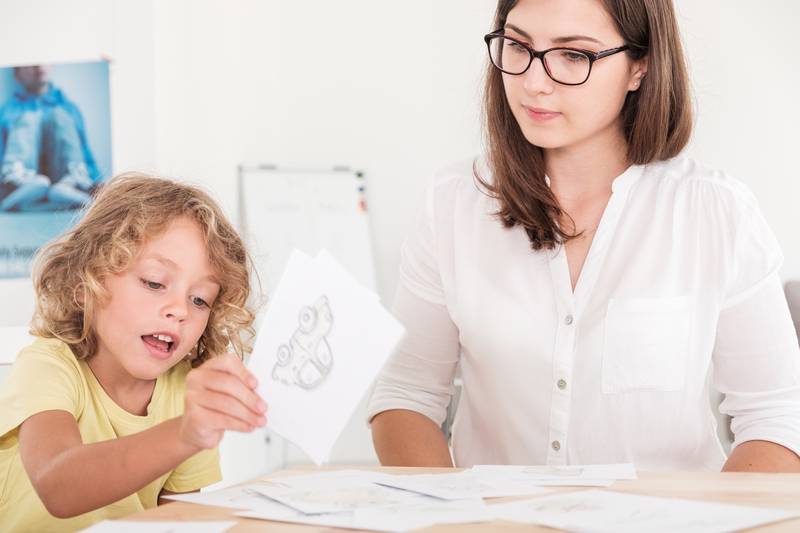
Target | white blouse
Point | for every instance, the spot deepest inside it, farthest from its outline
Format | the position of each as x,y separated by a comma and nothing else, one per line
679,291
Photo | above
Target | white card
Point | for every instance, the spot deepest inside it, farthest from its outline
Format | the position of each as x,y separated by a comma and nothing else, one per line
239,497
461,485
391,519
322,342
426,514
131,526
560,472
558,475
607,511
338,499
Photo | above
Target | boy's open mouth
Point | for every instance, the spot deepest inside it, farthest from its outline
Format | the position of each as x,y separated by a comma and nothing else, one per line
160,341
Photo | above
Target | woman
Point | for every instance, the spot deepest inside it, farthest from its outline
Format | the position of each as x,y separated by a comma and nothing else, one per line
588,282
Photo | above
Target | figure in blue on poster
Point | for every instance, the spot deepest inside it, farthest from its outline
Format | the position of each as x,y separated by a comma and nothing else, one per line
45,159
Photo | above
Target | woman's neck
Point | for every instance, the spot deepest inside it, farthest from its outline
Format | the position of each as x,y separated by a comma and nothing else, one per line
586,170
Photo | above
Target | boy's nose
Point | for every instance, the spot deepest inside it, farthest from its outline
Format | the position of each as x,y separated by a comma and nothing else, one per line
177,310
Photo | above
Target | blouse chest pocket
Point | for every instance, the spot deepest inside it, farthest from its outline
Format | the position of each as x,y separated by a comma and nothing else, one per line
646,344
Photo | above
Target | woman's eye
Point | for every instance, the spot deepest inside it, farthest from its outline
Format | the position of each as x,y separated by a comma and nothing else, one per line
199,302
152,285
575,56
515,47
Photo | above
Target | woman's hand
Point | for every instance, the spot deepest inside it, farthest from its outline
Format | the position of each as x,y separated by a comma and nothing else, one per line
220,396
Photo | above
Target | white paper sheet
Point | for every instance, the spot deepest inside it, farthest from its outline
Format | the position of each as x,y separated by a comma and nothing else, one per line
330,479
615,512
390,519
558,475
130,526
426,514
323,341
461,485
325,500
240,497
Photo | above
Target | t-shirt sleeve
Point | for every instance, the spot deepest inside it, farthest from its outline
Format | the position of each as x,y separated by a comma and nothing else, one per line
200,470
40,380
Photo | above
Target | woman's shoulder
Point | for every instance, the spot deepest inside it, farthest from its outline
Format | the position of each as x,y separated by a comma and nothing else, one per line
463,181
694,180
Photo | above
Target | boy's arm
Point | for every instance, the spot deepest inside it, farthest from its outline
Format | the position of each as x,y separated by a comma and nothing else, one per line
72,478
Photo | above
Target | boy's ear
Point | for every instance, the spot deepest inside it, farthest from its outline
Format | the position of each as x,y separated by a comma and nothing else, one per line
79,295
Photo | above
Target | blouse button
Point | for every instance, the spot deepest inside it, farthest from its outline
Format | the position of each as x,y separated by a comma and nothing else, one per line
562,384
568,320
556,445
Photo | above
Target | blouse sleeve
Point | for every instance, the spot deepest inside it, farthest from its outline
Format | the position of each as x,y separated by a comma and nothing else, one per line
756,354
419,375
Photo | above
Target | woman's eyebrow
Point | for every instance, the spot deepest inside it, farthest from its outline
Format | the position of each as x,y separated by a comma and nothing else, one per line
557,40
518,30
570,38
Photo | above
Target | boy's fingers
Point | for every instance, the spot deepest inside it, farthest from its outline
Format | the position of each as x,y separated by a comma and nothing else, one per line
225,383
230,406
222,421
233,365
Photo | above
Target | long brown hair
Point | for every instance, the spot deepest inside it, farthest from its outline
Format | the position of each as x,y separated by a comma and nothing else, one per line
69,272
657,119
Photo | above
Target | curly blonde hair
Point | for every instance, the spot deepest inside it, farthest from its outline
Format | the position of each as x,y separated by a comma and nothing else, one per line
131,208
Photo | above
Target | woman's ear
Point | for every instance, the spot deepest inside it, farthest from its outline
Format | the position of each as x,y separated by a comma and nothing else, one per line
638,72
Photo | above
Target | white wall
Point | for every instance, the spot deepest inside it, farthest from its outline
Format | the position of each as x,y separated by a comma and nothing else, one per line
391,88
387,87
47,31
746,75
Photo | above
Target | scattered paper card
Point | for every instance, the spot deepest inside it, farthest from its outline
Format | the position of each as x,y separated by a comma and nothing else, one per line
426,514
616,512
130,526
398,518
461,485
323,500
322,342
559,475
240,497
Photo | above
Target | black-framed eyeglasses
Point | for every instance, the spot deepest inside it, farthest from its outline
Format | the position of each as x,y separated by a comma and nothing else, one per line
567,66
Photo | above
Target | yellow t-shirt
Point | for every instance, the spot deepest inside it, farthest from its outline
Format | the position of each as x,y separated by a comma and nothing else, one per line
47,376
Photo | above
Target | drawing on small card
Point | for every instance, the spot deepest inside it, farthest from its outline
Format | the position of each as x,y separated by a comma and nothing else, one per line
307,359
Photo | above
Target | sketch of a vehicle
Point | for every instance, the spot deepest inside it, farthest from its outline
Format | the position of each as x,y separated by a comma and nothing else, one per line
307,360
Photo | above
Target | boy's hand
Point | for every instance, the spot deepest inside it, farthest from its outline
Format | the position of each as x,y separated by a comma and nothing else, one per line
220,395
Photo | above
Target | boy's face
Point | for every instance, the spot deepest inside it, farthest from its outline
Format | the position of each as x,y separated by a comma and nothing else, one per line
159,306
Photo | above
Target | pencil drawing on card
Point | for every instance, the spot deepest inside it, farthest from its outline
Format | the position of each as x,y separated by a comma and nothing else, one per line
307,359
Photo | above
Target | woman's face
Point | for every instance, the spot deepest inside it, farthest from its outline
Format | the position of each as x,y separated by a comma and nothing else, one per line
555,116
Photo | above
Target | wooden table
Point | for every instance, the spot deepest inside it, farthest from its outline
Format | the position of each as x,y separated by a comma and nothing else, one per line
764,490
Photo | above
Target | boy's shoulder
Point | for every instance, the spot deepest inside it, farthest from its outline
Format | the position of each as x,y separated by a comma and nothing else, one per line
54,352
45,376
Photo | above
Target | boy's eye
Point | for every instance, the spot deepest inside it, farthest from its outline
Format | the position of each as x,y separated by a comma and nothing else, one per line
199,302
152,284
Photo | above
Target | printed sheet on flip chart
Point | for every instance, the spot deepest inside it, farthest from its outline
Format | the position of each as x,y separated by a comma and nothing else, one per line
284,209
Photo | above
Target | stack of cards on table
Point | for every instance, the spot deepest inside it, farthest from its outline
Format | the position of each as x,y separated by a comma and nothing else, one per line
322,342
376,501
